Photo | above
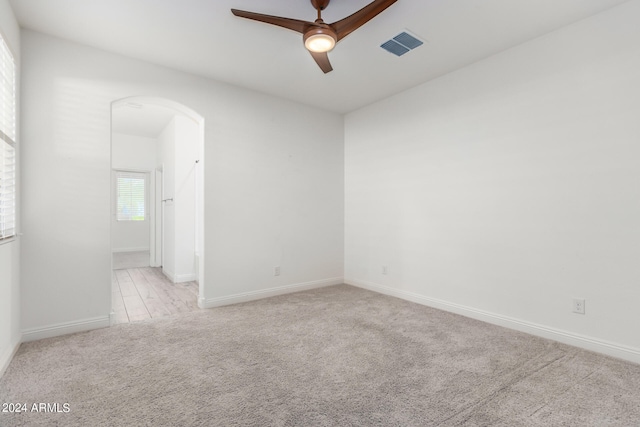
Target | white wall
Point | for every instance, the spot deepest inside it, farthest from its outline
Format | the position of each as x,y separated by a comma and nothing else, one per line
10,335
507,188
178,152
9,303
273,180
186,154
134,153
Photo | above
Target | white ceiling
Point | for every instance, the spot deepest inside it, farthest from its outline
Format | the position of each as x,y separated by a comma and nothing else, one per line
140,118
203,37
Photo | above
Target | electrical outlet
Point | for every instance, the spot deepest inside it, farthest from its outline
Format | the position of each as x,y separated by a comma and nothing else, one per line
578,305
276,271
384,269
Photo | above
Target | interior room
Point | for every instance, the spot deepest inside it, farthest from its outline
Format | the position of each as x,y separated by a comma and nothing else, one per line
432,217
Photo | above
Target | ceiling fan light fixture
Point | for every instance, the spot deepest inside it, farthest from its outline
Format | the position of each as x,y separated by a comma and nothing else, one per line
319,40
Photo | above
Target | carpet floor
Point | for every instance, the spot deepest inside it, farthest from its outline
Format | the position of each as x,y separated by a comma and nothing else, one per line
336,356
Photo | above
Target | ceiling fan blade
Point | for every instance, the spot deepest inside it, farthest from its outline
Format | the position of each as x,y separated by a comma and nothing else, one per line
291,24
322,59
346,26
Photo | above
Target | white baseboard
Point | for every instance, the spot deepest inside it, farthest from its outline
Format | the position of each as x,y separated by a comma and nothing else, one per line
7,357
141,249
168,275
180,278
266,293
588,343
65,328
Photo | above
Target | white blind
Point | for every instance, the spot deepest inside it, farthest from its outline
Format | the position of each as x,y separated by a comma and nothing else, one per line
7,142
131,196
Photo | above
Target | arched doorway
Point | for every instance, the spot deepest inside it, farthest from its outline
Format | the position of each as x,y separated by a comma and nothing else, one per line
157,162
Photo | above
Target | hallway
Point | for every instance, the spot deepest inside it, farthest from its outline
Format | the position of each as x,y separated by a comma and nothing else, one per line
145,293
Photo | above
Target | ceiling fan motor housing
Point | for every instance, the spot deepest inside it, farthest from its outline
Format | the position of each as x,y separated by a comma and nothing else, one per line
319,33
320,4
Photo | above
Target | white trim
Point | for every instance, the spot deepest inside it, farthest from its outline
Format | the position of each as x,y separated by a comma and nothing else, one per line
141,249
145,171
266,293
611,349
164,102
7,357
180,278
169,275
9,239
65,328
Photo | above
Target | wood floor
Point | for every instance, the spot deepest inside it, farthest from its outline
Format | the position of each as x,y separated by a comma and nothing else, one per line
145,293
130,260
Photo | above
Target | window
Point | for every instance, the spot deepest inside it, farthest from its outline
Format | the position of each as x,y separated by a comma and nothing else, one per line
131,196
7,143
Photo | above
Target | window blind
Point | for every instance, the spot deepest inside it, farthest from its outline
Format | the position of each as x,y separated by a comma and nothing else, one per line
131,196
7,142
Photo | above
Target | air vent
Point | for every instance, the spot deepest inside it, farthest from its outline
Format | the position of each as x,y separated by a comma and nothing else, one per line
401,44
394,47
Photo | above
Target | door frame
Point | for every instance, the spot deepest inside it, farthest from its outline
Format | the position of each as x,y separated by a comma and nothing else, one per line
199,186
157,227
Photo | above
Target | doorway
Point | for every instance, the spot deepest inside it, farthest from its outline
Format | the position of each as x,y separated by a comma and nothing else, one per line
157,208
130,220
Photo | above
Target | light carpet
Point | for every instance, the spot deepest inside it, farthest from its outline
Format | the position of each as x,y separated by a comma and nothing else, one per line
336,356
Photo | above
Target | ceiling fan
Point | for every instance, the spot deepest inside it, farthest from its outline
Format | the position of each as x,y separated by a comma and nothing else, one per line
319,37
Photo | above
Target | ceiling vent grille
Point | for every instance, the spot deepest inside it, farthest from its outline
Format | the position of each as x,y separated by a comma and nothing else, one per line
401,44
